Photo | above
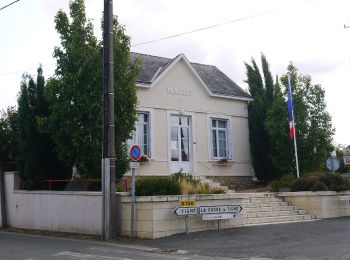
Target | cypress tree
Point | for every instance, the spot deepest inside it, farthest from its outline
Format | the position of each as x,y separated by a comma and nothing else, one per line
262,92
36,158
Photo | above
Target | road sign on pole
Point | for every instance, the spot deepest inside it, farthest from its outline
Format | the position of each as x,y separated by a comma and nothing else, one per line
332,163
185,211
135,152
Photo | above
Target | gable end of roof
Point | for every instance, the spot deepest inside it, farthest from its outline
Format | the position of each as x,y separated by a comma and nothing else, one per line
218,83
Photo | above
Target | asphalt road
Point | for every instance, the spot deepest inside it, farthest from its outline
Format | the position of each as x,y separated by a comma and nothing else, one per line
14,246
324,239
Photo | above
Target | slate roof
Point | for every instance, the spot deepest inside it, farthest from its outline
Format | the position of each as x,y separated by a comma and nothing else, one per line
217,82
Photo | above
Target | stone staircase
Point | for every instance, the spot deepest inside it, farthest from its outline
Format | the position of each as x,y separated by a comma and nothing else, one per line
266,208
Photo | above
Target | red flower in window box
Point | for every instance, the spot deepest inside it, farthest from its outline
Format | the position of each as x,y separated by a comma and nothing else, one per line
144,158
223,160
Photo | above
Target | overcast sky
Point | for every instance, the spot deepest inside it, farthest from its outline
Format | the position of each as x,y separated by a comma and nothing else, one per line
310,33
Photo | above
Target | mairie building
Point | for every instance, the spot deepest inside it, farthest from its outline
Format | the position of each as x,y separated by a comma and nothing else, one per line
191,118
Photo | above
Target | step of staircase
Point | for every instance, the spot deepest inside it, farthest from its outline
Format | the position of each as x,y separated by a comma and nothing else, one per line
266,208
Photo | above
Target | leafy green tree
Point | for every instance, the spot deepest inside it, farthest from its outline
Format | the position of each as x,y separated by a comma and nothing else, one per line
74,96
313,122
8,139
314,131
75,93
8,153
36,156
262,92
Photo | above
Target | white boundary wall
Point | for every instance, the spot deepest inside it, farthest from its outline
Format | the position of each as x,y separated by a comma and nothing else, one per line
80,212
63,211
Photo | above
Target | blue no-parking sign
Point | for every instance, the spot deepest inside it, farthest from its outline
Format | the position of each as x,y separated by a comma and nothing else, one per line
135,152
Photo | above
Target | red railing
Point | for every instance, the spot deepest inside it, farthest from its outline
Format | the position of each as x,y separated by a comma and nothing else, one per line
85,183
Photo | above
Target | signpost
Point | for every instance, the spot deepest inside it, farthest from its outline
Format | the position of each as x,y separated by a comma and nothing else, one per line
218,213
186,211
135,154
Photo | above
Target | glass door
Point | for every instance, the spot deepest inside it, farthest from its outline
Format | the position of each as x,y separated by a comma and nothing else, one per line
180,143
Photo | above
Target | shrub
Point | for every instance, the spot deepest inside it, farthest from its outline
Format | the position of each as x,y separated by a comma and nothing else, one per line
284,182
190,185
157,186
336,182
185,177
319,186
300,184
119,187
176,184
321,182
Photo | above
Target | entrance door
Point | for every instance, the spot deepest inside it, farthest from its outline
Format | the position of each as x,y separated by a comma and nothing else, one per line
180,144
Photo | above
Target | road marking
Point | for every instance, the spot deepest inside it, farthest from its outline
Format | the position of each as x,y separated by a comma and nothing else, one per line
181,252
87,256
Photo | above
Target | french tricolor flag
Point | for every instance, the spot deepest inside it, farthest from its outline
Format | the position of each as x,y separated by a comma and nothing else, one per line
290,111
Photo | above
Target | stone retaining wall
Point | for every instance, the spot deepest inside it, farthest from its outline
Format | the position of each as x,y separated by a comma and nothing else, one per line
323,204
155,216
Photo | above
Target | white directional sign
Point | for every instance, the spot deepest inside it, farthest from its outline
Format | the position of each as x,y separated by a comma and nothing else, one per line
186,211
218,216
346,159
134,165
220,209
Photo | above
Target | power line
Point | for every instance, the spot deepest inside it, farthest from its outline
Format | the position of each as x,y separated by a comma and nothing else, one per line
179,34
27,69
184,33
211,26
206,28
9,5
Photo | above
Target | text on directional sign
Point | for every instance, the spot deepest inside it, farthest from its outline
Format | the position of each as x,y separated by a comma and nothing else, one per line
186,203
184,211
220,209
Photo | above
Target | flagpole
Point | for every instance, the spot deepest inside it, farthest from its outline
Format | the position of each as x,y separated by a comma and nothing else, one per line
295,138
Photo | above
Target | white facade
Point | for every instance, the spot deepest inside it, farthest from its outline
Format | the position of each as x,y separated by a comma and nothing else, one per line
183,126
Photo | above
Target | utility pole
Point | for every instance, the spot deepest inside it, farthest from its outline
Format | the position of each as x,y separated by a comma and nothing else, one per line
109,206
